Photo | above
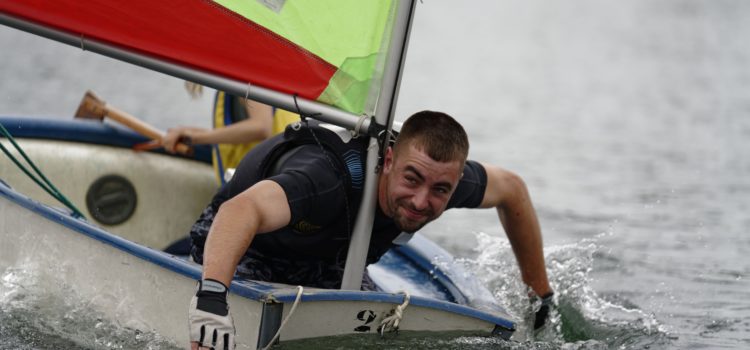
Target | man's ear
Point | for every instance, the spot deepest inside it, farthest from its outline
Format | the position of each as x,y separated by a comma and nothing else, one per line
388,159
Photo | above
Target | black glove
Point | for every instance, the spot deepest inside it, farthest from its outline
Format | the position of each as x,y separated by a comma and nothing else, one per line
210,322
541,314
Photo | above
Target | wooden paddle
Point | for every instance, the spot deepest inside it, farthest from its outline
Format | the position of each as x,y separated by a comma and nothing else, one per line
92,107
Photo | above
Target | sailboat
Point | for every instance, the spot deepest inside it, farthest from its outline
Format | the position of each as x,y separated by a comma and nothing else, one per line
336,61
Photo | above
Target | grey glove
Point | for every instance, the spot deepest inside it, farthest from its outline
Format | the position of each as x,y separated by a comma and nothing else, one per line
541,314
210,322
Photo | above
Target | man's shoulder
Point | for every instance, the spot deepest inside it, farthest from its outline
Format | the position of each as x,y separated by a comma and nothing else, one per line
474,172
470,190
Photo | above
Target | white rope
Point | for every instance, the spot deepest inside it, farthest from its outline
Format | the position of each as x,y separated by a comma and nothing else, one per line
391,322
247,90
289,315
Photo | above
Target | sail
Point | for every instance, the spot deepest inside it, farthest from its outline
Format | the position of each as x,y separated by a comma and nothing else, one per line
344,58
330,51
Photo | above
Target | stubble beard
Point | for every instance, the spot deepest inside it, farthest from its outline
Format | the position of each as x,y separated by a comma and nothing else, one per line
408,225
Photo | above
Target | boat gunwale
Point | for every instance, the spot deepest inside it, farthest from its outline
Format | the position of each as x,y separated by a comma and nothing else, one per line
88,131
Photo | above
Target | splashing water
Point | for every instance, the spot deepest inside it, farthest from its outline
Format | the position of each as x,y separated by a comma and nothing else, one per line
38,311
582,318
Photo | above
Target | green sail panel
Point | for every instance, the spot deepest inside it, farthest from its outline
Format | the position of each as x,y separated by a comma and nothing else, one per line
351,35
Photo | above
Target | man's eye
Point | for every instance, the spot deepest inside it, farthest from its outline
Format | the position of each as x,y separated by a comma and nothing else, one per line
410,179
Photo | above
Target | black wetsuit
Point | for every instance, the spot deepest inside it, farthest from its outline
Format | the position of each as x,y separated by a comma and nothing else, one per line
323,190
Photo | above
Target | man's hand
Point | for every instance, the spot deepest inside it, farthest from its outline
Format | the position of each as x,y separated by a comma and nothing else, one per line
211,324
541,314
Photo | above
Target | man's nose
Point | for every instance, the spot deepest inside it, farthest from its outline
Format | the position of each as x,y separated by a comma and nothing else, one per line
420,200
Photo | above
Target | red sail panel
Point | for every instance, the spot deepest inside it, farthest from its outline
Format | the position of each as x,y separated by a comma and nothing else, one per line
194,33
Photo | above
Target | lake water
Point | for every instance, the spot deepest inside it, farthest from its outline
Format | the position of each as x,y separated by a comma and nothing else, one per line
629,120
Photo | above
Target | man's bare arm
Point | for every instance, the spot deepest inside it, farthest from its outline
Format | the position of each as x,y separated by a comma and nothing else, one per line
507,193
259,209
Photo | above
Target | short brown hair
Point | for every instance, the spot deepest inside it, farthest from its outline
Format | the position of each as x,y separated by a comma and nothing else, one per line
435,133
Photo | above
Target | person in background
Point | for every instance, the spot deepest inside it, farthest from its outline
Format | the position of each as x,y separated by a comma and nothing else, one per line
287,215
239,125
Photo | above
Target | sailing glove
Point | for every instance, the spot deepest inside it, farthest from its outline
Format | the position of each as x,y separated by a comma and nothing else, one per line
210,322
542,313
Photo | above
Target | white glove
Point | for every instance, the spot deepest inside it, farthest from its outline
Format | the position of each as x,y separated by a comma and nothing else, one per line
210,321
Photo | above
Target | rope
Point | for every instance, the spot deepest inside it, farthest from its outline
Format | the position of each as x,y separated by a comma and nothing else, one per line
382,145
247,89
391,322
44,183
289,315
303,116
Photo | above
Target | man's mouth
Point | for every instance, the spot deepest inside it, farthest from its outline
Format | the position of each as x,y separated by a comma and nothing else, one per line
414,215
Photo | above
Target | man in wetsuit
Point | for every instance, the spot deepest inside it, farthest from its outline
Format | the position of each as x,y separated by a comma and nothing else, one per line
294,198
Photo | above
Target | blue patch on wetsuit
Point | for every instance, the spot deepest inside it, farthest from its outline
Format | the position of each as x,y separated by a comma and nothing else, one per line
354,164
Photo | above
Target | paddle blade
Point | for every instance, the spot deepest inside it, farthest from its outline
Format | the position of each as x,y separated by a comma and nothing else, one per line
91,107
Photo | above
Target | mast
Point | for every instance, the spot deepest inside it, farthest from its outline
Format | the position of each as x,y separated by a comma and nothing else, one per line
384,115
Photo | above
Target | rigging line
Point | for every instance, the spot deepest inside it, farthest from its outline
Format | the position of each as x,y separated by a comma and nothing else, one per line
26,171
297,299
384,135
299,111
10,138
51,192
47,186
33,166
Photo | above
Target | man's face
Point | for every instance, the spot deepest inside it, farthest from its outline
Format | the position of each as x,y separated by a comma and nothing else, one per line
415,189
